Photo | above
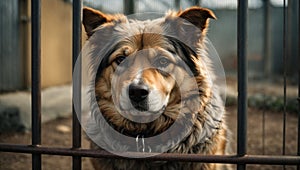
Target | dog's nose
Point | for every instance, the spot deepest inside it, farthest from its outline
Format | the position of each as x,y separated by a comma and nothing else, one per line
138,93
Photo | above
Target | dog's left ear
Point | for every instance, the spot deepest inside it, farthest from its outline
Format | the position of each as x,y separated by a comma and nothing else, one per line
93,18
197,16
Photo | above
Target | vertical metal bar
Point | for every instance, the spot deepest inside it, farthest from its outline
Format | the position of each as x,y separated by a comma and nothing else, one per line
128,6
267,60
298,144
284,74
177,4
264,126
196,2
267,39
36,80
242,80
76,136
284,77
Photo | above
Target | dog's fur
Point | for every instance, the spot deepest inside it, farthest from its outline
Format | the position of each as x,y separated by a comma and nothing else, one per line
180,38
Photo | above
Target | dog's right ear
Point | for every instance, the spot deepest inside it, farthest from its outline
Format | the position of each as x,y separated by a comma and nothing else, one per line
93,19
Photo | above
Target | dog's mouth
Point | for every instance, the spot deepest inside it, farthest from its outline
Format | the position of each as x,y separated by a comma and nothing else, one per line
138,111
139,118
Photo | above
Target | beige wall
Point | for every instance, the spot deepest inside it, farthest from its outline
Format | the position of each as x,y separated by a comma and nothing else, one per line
56,43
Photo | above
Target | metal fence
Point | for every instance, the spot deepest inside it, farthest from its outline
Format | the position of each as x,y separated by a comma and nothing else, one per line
241,159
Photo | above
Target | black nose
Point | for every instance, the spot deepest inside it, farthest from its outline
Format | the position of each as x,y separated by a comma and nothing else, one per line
138,93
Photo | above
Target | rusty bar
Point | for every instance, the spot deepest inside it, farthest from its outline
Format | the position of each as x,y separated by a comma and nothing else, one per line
36,80
228,159
242,80
76,47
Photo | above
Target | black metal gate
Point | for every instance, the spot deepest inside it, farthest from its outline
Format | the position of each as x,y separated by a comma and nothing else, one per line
241,159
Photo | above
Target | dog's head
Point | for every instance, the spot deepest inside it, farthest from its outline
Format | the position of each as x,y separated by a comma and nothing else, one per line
148,69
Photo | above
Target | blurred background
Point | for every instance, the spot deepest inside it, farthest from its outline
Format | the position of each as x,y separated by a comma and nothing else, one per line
268,100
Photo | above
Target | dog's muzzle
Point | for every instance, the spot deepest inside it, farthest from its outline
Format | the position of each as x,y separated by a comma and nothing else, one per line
138,95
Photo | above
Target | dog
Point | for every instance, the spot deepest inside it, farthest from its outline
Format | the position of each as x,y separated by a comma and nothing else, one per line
153,86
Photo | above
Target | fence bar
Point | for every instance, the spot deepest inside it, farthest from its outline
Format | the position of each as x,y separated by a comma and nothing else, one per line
284,58
242,81
267,39
228,159
76,136
298,65
36,81
128,6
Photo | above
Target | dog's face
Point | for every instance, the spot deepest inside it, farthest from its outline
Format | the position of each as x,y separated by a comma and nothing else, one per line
148,68
143,83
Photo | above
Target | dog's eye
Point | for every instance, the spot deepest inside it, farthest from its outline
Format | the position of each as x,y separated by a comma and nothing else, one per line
162,62
119,59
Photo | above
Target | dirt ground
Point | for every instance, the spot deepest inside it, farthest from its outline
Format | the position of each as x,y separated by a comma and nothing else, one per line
57,133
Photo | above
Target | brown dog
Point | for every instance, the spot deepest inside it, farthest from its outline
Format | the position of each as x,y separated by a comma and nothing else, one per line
152,79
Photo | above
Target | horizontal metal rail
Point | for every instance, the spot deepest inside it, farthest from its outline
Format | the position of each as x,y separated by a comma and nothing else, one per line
227,159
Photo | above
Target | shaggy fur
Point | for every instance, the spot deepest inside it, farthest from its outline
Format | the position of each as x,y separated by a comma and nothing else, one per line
197,111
